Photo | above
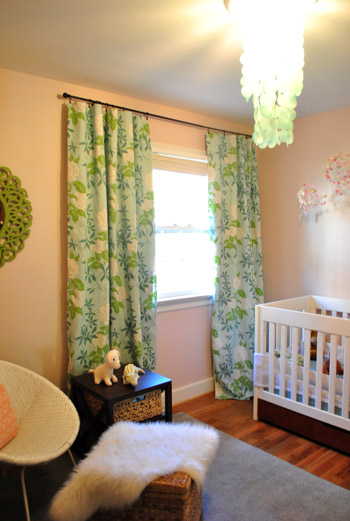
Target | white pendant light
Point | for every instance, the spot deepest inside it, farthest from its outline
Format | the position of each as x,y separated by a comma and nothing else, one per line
272,63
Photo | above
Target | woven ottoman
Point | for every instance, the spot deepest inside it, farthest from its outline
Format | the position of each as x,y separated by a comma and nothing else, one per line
174,497
123,469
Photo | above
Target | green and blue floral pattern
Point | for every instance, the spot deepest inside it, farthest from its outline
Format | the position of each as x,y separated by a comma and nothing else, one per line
235,229
111,238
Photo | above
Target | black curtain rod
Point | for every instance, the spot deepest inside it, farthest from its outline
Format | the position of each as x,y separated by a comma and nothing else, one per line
156,116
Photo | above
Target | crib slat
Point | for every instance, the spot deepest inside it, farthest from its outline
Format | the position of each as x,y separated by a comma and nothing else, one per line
272,347
278,336
306,372
319,366
295,338
283,360
332,373
346,381
263,339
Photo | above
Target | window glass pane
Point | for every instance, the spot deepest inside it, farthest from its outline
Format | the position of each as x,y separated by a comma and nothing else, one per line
181,199
184,253
184,264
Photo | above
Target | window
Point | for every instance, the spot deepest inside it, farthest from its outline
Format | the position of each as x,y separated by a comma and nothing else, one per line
184,253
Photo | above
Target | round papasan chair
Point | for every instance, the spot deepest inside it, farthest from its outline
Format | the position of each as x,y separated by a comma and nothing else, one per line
48,421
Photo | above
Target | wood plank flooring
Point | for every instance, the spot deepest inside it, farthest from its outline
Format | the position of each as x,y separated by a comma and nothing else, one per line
236,419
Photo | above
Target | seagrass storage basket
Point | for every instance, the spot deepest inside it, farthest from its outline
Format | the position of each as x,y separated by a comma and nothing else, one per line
174,497
136,409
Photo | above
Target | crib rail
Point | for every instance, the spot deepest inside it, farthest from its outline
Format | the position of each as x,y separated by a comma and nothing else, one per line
299,346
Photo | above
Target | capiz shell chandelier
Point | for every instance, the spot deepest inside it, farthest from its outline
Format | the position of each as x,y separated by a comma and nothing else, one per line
272,63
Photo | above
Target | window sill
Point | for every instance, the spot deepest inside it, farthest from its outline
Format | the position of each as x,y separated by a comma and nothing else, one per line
186,302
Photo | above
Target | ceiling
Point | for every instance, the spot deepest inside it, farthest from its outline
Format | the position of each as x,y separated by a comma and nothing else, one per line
183,53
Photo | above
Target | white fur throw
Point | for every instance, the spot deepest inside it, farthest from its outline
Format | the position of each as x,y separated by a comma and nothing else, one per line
126,459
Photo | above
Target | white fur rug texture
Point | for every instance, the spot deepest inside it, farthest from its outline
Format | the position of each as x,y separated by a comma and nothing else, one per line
126,459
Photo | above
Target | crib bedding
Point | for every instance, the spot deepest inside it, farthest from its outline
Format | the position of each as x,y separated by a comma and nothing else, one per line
261,380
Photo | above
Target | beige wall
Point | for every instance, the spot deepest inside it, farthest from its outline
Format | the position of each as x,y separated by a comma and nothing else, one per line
32,287
182,335
310,255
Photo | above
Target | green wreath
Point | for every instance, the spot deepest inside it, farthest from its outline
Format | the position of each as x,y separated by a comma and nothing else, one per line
15,216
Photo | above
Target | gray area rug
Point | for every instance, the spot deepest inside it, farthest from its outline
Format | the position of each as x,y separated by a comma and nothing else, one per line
246,484
243,484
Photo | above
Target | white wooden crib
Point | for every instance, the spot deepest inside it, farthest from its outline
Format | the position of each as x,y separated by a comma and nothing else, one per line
294,339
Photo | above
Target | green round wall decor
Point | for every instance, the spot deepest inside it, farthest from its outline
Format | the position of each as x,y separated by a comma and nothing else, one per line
15,216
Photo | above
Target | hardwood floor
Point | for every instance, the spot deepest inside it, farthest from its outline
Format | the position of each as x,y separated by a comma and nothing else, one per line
236,419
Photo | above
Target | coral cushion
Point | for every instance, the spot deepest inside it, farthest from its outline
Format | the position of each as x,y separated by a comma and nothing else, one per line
8,422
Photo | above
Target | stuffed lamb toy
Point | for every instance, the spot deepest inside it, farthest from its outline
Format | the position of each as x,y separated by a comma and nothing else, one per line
104,372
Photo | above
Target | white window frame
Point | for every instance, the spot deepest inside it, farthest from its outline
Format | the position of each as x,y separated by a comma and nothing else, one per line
172,157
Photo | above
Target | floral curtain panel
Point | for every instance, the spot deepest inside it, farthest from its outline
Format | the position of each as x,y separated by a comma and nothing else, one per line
111,238
235,229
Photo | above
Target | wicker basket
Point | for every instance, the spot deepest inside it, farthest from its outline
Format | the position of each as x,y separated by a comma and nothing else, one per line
136,409
174,497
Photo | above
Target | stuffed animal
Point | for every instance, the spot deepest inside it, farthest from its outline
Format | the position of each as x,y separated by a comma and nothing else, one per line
313,345
325,369
104,372
131,374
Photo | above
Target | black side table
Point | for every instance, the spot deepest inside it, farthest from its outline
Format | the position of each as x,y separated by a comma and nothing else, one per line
94,419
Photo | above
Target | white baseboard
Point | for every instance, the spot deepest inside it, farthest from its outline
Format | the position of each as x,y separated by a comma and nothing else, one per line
191,391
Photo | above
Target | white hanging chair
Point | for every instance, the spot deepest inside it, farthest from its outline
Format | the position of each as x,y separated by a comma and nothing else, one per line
48,420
